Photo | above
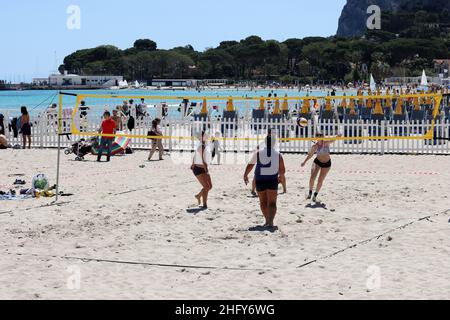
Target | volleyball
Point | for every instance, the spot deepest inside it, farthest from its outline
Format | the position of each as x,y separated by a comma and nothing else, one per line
302,122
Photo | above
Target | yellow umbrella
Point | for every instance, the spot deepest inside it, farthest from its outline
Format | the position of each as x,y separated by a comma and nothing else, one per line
328,106
360,101
423,98
369,103
344,103
262,104
204,107
306,106
399,107
389,100
277,109
230,106
378,107
352,106
285,106
416,104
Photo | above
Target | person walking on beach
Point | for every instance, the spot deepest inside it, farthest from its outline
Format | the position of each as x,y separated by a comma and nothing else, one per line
83,116
202,158
269,171
108,127
321,166
25,127
117,119
156,143
216,147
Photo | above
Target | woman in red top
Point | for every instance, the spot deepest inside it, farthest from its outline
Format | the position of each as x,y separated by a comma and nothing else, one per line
108,127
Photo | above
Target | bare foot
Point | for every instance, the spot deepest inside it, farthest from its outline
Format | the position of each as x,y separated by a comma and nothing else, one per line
199,199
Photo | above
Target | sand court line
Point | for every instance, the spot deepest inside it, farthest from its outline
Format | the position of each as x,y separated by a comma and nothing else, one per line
52,204
150,264
363,242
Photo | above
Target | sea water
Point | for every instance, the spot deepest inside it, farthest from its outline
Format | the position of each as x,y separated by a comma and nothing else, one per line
37,101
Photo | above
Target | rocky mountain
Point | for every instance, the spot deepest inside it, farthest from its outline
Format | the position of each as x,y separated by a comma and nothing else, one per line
354,15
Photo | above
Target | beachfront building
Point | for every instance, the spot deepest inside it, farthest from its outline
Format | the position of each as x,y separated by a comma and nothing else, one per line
74,80
174,83
442,67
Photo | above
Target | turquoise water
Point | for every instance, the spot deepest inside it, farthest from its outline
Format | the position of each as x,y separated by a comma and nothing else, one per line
37,101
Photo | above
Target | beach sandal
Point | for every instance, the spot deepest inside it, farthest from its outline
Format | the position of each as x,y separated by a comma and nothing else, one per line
19,182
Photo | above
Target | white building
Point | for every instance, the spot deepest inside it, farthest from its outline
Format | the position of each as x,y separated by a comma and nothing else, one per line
76,80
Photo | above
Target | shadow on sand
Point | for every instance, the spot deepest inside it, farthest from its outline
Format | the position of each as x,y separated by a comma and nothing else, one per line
263,229
195,210
316,205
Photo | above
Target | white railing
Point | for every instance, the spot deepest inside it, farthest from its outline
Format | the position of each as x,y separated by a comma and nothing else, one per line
44,135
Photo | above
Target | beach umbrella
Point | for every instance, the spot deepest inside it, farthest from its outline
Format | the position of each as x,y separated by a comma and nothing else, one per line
119,145
352,106
262,104
204,107
344,103
389,100
306,106
378,107
416,104
328,106
399,107
230,106
285,105
277,109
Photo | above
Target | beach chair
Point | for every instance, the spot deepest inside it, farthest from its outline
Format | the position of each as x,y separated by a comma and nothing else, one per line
229,123
351,131
447,113
388,113
341,113
376,128
258,115
201,120
366,113
399,128
276,120
328,125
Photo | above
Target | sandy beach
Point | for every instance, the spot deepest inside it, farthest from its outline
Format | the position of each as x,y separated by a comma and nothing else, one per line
383,232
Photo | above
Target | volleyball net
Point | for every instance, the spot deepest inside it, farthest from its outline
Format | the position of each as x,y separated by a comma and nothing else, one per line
247,117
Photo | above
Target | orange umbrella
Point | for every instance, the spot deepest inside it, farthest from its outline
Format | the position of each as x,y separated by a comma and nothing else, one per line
204,107
306,106
277,109
378,107
285,106
262,104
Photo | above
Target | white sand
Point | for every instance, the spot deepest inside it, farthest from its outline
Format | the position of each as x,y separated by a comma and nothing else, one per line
150,224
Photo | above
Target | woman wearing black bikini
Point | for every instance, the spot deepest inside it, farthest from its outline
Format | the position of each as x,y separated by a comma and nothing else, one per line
200,169
322,165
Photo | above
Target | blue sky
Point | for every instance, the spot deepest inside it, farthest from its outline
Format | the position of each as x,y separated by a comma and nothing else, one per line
32,31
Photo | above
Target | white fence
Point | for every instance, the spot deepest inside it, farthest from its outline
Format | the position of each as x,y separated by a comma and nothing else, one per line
44,135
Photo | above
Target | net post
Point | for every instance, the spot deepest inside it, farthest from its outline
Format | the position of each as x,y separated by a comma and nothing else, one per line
59,145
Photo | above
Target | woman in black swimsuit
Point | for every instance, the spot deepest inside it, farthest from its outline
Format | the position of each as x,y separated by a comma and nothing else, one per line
200,169
269,172
25,127
322,165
